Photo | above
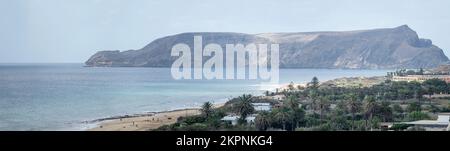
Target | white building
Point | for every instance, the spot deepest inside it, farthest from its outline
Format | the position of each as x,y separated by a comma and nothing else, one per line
234,119
262,106
421,78
441,124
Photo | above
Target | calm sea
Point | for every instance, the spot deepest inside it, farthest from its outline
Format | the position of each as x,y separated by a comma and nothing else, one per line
63,96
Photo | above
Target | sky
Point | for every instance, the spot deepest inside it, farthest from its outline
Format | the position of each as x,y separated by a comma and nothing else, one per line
70,31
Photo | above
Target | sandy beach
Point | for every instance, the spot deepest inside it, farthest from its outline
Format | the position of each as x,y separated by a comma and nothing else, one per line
146,122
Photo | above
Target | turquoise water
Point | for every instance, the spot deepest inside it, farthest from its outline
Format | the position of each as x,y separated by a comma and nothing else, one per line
62,96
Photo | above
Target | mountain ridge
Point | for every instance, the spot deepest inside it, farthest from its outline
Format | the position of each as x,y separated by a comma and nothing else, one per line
385,48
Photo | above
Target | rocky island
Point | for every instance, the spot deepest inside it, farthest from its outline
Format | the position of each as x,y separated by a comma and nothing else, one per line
387,48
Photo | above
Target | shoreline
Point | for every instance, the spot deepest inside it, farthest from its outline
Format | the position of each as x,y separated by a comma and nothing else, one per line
145,121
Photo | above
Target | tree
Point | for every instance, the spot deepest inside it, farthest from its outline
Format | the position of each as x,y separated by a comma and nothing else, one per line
386,111
292,103
410,72
296,113
299,116
339,119
313,96
434,109
285,93
314,84
300,88
341,106
282,116
291,86
323,105
369,108
354,106
418,115
398,111
414,106
435,86
397,108
207,109
245,106
262,121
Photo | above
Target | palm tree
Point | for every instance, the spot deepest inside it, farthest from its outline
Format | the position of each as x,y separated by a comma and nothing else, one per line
369,108
323,105
267,93
313,96
283,117
262,121
207,109
298,116
292,103
386,111
245,106
354,107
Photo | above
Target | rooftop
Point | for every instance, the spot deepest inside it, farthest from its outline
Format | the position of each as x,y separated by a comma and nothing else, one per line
443,120
261,104
427,122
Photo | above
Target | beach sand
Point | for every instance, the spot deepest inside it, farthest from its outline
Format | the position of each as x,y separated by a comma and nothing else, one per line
146,122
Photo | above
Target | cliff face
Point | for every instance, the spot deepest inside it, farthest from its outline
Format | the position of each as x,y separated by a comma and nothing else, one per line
365,49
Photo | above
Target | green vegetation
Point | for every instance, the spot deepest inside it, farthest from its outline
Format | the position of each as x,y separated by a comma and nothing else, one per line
207,109
326,108
245,106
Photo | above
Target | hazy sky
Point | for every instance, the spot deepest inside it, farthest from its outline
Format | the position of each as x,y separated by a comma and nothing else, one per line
72,30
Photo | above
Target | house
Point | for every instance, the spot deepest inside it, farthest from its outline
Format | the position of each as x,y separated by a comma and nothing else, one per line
262,106
233,119
441,124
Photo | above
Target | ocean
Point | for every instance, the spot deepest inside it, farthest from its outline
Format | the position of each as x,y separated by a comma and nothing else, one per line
64,96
